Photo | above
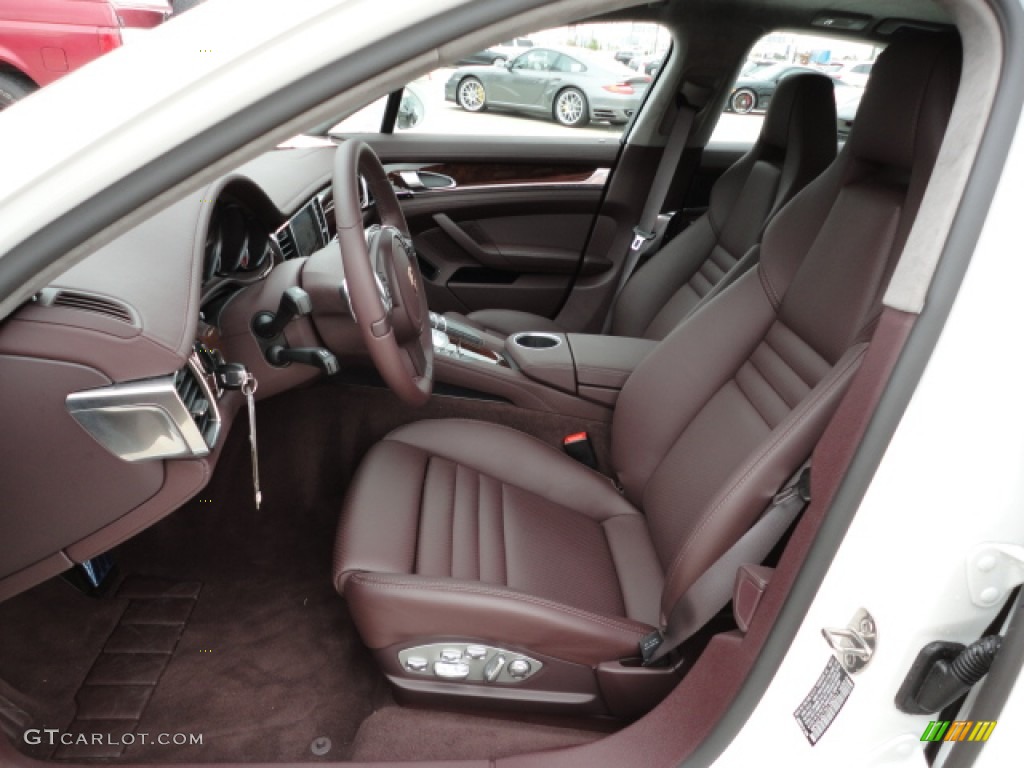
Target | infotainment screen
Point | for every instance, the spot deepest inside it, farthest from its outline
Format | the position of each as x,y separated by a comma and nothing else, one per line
306,230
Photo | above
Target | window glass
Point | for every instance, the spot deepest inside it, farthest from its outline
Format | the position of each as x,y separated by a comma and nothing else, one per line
780,55
579,80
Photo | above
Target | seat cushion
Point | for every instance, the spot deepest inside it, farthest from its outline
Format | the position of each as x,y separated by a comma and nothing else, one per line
505,322
467,529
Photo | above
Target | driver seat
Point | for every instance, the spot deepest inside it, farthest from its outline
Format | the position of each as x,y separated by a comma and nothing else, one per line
475,538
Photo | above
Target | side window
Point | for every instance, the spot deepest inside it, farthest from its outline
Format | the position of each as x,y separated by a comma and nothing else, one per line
566,64
491,92
780,55
535,61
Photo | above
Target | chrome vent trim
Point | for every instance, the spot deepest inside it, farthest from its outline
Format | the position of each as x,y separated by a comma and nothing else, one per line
89,302
198,402
286,243
321,220
365,198
169,417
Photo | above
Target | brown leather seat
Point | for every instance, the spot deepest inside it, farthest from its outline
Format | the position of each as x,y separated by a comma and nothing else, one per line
463,530
797,142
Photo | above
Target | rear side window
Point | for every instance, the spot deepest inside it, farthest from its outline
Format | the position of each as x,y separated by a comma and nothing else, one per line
781,54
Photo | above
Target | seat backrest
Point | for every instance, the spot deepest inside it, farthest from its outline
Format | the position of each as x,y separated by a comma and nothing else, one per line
797,142
713,422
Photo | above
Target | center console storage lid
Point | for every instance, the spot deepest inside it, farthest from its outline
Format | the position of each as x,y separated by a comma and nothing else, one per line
606,361
592,367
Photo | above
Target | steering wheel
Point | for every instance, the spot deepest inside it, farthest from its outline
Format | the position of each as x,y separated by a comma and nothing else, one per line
382,276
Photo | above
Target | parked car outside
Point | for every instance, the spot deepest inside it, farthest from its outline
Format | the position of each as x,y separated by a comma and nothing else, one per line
752,65
753,92
649,65
846,108
142,14
512,48
41,40
487,57
626,55
497,55
854,73
571,85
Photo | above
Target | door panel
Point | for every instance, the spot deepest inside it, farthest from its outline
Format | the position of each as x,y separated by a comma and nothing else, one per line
511,232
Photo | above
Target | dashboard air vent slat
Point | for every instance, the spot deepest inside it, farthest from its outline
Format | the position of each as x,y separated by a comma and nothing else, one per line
86,302
287,243
192,395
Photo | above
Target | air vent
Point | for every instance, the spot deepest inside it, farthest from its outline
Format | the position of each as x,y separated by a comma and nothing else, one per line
194,397
328,204
286,243
89,303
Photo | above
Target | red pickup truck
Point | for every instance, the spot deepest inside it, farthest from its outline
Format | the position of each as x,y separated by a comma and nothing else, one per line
40,40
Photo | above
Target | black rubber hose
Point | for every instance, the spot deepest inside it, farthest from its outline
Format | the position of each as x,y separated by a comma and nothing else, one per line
974,661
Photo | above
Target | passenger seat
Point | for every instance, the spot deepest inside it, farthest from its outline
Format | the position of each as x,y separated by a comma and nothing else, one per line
797,142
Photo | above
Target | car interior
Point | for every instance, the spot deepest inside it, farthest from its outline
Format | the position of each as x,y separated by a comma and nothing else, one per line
393,446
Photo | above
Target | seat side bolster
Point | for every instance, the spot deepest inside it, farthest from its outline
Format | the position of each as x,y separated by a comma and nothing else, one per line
390,609
750,489
389,482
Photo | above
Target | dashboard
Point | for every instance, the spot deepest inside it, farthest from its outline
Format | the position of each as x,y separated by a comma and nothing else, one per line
245,239
117,355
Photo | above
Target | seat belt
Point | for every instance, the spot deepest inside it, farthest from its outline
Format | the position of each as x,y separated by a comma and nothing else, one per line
647,233
713,590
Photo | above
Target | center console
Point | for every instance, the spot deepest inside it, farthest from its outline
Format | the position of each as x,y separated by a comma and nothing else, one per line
570,373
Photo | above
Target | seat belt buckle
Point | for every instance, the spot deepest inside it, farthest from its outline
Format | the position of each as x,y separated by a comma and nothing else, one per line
579,447
649,645
640,237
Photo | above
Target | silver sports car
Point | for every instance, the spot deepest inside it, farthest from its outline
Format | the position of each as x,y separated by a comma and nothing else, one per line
572,85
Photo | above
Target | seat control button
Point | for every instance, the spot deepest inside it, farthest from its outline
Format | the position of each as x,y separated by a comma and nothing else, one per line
493,668
451,655
451,670
416,664
519,669
476,652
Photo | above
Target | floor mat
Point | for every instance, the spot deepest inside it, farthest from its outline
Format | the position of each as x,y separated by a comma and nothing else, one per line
50,637
398,734
111,701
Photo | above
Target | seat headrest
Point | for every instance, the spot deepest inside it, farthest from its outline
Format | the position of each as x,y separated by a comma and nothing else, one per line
904,111
805,98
